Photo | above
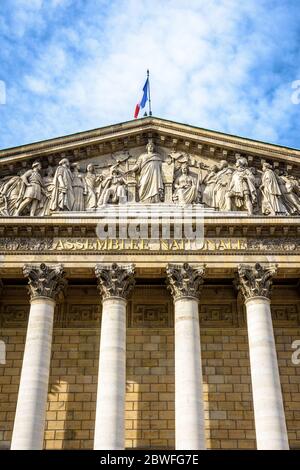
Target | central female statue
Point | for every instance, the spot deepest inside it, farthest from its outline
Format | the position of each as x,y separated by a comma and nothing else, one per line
148,166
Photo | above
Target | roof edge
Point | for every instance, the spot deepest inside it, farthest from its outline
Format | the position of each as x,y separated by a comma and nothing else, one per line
139,124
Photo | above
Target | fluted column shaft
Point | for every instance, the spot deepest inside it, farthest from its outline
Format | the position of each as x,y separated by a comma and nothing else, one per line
29,424
185,283
270,425
115,284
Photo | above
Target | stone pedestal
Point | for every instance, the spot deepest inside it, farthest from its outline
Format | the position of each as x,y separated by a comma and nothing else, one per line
115,283
185,283
28,433
271,433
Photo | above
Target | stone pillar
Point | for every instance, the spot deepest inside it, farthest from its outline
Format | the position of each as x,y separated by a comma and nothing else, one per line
255,284
115,284
185,285
45,282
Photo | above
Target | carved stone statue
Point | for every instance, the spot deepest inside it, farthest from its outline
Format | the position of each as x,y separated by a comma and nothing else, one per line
223,179
272,198
3,205
92,182
209,182
241,189
32,190
10,190
48,188
186,187
257,183
114,188
62,197
290,191
224,188
149,168
79,188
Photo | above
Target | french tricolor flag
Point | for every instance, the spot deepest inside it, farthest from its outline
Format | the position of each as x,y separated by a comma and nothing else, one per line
144,99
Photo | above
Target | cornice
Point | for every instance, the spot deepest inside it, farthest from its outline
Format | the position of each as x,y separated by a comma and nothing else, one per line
258,227
147,125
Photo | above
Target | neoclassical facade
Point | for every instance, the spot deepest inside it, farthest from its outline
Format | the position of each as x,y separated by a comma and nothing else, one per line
150,291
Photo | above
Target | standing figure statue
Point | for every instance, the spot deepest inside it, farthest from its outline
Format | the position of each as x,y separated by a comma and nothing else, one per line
272,198
241,190
79,188
48,188
209,182
62,198
223,179
290,191
92,182
257,182
186,187
114,188
32,190
149,167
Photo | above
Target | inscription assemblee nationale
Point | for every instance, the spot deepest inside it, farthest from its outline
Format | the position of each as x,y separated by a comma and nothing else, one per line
141,244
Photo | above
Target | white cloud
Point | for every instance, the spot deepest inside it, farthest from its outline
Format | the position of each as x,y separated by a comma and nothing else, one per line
213,64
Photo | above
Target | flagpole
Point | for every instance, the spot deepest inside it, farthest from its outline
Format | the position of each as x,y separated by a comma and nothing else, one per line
150,110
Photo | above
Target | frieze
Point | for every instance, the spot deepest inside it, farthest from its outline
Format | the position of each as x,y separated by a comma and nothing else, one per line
79,245
142,314
224,314
285,315
151,177
78,315
150,315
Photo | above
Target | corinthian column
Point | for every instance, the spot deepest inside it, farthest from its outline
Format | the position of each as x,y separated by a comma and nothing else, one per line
45,282
185,285
255,283
115,284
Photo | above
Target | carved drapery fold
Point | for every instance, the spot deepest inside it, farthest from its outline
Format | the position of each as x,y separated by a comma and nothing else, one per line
45,280
115,280
184,280
255,281
156,178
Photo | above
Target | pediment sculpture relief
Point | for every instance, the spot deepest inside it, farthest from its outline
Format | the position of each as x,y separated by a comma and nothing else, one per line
150,178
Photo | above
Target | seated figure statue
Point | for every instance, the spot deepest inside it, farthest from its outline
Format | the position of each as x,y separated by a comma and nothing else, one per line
186,188
114,188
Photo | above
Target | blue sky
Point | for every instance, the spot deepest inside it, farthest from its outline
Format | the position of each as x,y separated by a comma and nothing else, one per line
74,65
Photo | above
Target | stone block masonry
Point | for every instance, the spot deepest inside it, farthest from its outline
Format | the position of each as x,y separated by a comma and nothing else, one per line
149,407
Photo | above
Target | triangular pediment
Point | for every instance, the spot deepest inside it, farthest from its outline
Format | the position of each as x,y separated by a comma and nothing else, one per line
125,136
120,147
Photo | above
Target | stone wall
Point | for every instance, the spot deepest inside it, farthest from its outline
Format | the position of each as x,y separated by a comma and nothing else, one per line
150,411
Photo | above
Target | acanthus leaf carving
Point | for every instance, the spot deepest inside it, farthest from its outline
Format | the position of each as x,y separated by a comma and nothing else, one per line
45,280
185,280
255,281
115,280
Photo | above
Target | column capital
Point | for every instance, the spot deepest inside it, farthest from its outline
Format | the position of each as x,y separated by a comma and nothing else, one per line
45,280
115,280
255,281
184,280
